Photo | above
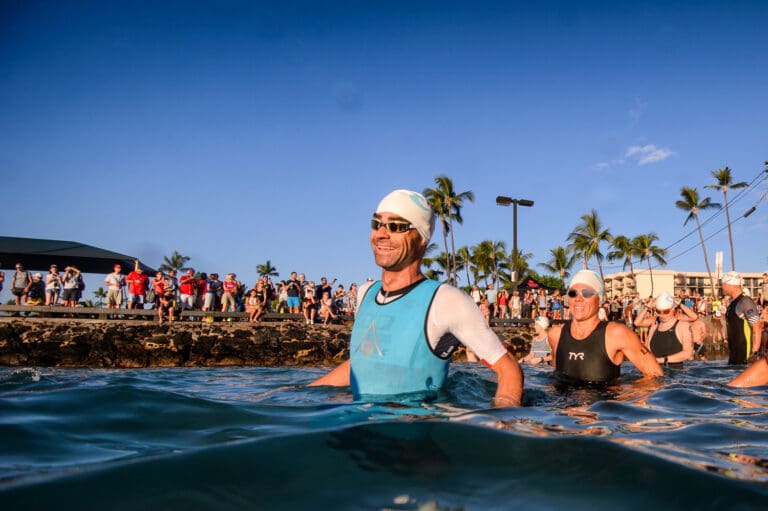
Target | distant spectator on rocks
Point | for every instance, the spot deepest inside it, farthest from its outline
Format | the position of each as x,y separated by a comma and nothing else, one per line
138,283
212,291
294,293
475,293
323,287
502,304
308,304
485,308
2,279
202,287
762,300
229,296
556,305
52,286
254,303
541,301
352,299
71,281
516,305
326,308
158,288
166,302
173,283
303,283
282,297
491,294
20,280
115,282
187,290
35,291
340,299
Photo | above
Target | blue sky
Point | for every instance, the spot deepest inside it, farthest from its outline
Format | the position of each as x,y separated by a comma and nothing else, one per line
238,132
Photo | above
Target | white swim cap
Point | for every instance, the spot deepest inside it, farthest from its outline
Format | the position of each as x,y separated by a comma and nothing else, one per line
411,206
588,278
732,277
542,321
664,302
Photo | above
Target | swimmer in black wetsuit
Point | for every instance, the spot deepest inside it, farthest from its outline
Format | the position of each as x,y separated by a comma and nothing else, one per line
588,350
670,337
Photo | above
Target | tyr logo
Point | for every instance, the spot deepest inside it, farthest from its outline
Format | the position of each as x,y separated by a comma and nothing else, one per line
575,356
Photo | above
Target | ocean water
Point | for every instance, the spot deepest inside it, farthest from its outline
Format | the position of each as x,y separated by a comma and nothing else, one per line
257,438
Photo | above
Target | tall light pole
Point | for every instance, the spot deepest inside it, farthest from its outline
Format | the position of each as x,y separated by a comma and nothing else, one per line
501,200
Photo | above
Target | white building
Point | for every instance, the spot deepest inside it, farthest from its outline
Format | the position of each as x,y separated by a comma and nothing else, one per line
672,281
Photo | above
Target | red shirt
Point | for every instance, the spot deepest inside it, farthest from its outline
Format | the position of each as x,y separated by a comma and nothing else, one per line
137,283
187,285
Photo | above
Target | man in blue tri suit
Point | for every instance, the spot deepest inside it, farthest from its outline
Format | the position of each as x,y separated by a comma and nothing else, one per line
587,350
407,326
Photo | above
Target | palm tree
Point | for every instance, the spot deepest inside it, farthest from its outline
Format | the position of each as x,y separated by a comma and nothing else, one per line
99,294
427,263
724,182
690,203
447,204
644,245
488,257
267,270
623,249
561,262
464,258
521,264
586,238
175,262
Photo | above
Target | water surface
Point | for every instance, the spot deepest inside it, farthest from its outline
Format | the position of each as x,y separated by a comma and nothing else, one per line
257,438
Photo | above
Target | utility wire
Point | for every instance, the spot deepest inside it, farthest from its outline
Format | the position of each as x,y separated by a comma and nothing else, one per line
739,196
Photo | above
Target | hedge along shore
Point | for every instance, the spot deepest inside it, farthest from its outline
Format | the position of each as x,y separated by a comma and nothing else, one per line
68,342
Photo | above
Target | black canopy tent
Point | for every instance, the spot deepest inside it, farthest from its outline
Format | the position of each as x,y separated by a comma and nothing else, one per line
39,254
529,282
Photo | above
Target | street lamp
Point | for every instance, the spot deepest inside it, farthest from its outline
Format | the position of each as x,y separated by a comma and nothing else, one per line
501,200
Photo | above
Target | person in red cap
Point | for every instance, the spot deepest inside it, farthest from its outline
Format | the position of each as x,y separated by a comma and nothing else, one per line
188,290
115,283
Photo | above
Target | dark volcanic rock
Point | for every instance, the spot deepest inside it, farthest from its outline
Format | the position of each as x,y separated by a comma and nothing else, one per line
131,344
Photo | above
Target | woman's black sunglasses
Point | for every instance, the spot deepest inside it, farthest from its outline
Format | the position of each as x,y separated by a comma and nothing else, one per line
586,293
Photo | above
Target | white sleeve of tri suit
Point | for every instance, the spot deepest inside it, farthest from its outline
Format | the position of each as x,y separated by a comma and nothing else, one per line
454,312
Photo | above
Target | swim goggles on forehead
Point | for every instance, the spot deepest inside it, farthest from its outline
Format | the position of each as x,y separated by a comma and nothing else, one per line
392,226
585,293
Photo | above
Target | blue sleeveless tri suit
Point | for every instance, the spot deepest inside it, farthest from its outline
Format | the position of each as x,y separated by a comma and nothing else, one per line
389,350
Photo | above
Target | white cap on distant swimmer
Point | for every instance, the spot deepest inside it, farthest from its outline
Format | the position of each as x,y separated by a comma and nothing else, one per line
411,206
732,277
664,302
542,321
588,278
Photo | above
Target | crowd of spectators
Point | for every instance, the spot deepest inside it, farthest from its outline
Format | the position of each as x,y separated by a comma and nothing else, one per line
170,294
